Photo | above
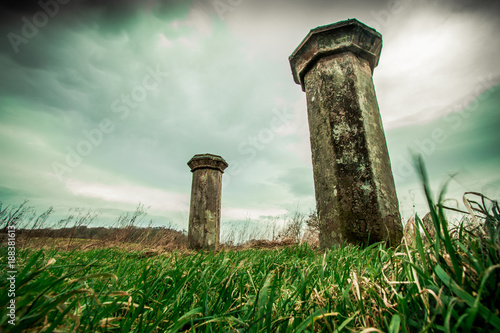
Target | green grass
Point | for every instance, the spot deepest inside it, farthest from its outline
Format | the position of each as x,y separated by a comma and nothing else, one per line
448,283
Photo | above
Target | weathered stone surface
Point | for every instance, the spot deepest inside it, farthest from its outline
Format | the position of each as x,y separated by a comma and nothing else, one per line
355,191
205,209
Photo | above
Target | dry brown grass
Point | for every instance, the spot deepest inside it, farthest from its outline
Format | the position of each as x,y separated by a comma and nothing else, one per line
149,249
68,244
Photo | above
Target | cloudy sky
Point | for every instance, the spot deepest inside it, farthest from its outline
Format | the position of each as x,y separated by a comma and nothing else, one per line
102,103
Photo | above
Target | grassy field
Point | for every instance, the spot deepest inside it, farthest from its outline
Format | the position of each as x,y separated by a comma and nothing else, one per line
446,279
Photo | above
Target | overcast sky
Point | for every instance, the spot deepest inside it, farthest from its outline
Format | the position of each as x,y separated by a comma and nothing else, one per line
102,103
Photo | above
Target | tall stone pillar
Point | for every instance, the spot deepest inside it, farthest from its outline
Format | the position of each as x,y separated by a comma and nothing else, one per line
206,190
354,187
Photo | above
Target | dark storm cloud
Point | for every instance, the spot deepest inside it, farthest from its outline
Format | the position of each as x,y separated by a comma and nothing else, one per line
491,7
226,75
23,22
111,12
59,64
112,8
14,14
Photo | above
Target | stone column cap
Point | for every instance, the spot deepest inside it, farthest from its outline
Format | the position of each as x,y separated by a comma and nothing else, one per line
345,36
210,161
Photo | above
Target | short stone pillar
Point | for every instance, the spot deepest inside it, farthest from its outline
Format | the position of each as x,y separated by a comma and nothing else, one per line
355,192
204,213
